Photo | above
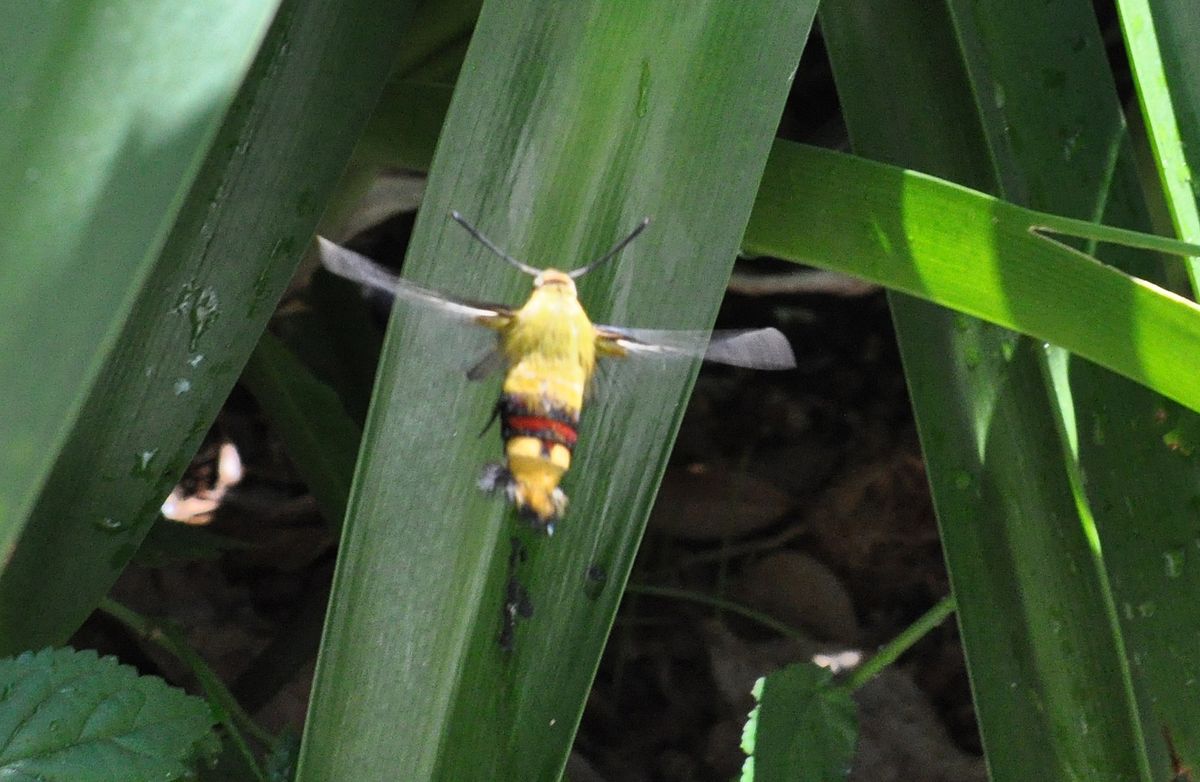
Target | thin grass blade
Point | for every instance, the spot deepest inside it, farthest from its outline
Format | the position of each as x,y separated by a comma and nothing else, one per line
1164,50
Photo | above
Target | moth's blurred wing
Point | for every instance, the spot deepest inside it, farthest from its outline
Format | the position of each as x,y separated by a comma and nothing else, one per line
358,268
489,363
751,348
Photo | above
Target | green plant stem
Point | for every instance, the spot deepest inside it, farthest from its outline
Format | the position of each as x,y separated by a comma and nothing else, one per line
891,651
170,638
886,655
716,602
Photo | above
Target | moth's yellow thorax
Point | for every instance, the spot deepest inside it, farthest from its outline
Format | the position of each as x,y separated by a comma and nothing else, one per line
550,345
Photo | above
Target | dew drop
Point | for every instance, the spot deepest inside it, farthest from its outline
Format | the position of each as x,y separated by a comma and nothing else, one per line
1070,145
182,386
203,314
1173,562
145,458
1178,442
109,524
201,307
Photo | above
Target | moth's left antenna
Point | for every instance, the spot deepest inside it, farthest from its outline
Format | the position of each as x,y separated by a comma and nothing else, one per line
486,242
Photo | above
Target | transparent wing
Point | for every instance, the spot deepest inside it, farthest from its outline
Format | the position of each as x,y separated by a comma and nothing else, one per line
751,348
488,364
358,268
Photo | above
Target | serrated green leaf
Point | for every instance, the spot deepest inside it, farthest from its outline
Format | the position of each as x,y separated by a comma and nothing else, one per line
803,728
71,716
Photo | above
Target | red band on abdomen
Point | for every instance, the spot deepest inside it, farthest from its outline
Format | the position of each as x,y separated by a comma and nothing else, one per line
536,426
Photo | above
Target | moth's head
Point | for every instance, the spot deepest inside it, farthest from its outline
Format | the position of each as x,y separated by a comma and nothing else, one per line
556,280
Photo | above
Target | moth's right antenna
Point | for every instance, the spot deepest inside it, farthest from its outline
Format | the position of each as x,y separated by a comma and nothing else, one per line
577,273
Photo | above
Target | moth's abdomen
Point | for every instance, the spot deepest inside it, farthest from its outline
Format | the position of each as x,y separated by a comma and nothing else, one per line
539,420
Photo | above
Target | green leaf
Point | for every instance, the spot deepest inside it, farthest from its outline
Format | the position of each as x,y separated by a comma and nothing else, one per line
1163,50
970,251
319,436
70,716
570,123
1137,448
281,763
108,110
803,728
1042,641
232,249
1077,160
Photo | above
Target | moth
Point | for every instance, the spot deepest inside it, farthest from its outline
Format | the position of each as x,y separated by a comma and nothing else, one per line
548,349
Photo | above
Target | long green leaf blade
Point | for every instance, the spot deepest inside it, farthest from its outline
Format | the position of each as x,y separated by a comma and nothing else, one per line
321,439
976,254
570,123
1075,158
1037,621
231,251
1161,38
1137,448
108,110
